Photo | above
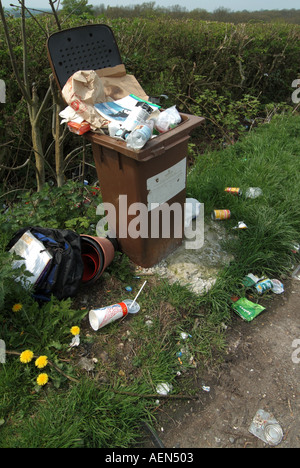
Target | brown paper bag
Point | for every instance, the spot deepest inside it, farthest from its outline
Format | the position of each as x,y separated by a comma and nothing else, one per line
88,87
118,84
82,90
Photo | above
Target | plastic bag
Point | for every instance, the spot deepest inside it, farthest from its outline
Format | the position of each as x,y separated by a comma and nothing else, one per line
167,119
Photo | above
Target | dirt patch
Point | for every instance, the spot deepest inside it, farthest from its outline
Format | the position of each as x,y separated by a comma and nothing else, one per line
261,371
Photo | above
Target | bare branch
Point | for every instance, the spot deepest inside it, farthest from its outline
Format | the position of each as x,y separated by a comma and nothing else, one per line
13,58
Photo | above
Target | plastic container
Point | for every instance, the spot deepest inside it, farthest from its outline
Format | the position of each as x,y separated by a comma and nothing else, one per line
97,254
137,139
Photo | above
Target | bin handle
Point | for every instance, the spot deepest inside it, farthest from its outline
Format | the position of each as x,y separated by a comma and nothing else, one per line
158,151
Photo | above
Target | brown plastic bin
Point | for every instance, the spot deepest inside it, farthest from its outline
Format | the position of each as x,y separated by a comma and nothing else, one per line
155,174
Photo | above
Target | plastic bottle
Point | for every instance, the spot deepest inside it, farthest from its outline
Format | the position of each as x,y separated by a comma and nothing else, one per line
140,135
137,116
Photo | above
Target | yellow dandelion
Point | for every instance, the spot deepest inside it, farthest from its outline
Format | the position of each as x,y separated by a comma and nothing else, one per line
26,356
17,307
75,331
42,379
41,362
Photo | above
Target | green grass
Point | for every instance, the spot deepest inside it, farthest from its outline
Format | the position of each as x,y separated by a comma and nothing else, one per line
104,408
267,158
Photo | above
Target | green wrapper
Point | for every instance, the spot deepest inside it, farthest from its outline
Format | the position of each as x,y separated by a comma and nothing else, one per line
246,309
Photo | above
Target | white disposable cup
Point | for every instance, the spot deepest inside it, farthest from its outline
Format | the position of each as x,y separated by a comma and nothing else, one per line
100,317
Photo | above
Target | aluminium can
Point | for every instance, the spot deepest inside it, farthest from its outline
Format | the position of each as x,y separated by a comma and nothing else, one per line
220,214
234,190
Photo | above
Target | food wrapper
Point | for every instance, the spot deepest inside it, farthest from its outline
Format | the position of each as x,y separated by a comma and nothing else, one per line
246,309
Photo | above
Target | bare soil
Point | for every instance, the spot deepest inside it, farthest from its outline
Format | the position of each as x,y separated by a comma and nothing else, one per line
260,371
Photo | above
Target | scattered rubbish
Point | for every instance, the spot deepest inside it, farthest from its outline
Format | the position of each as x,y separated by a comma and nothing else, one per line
250,280
278,287
164,388
128,288
192,210
269,284
53,257
220,214
149,323
75,341
263,286
205,388
233,190
184,335
246,309
34,256
97,253
240,225
266,428
296,248
253,192
296,273
100,317
86,364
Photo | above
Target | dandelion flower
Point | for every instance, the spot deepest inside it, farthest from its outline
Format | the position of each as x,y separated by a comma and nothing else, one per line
17,307
41,362
75,331
42,379
26,356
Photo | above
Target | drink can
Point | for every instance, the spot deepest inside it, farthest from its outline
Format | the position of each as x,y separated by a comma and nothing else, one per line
233,190
220,214
263,286
100,317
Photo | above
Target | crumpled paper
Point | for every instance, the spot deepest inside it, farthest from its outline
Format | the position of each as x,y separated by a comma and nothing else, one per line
82,90
69,115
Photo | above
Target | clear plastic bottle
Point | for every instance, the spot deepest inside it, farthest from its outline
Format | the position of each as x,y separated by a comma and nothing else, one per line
137,139
137,116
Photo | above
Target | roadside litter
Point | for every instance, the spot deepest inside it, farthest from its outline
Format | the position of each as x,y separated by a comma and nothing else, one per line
98,318
263,284
52,257
218,215
266,428
57,261
246,309
164,388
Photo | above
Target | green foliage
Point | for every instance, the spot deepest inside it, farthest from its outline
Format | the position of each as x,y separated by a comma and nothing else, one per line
77,7
243,67
72,206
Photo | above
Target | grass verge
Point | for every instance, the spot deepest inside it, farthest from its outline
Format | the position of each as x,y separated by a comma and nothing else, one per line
103,407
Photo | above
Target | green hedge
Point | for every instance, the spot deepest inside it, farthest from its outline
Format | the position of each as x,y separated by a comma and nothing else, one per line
196,63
